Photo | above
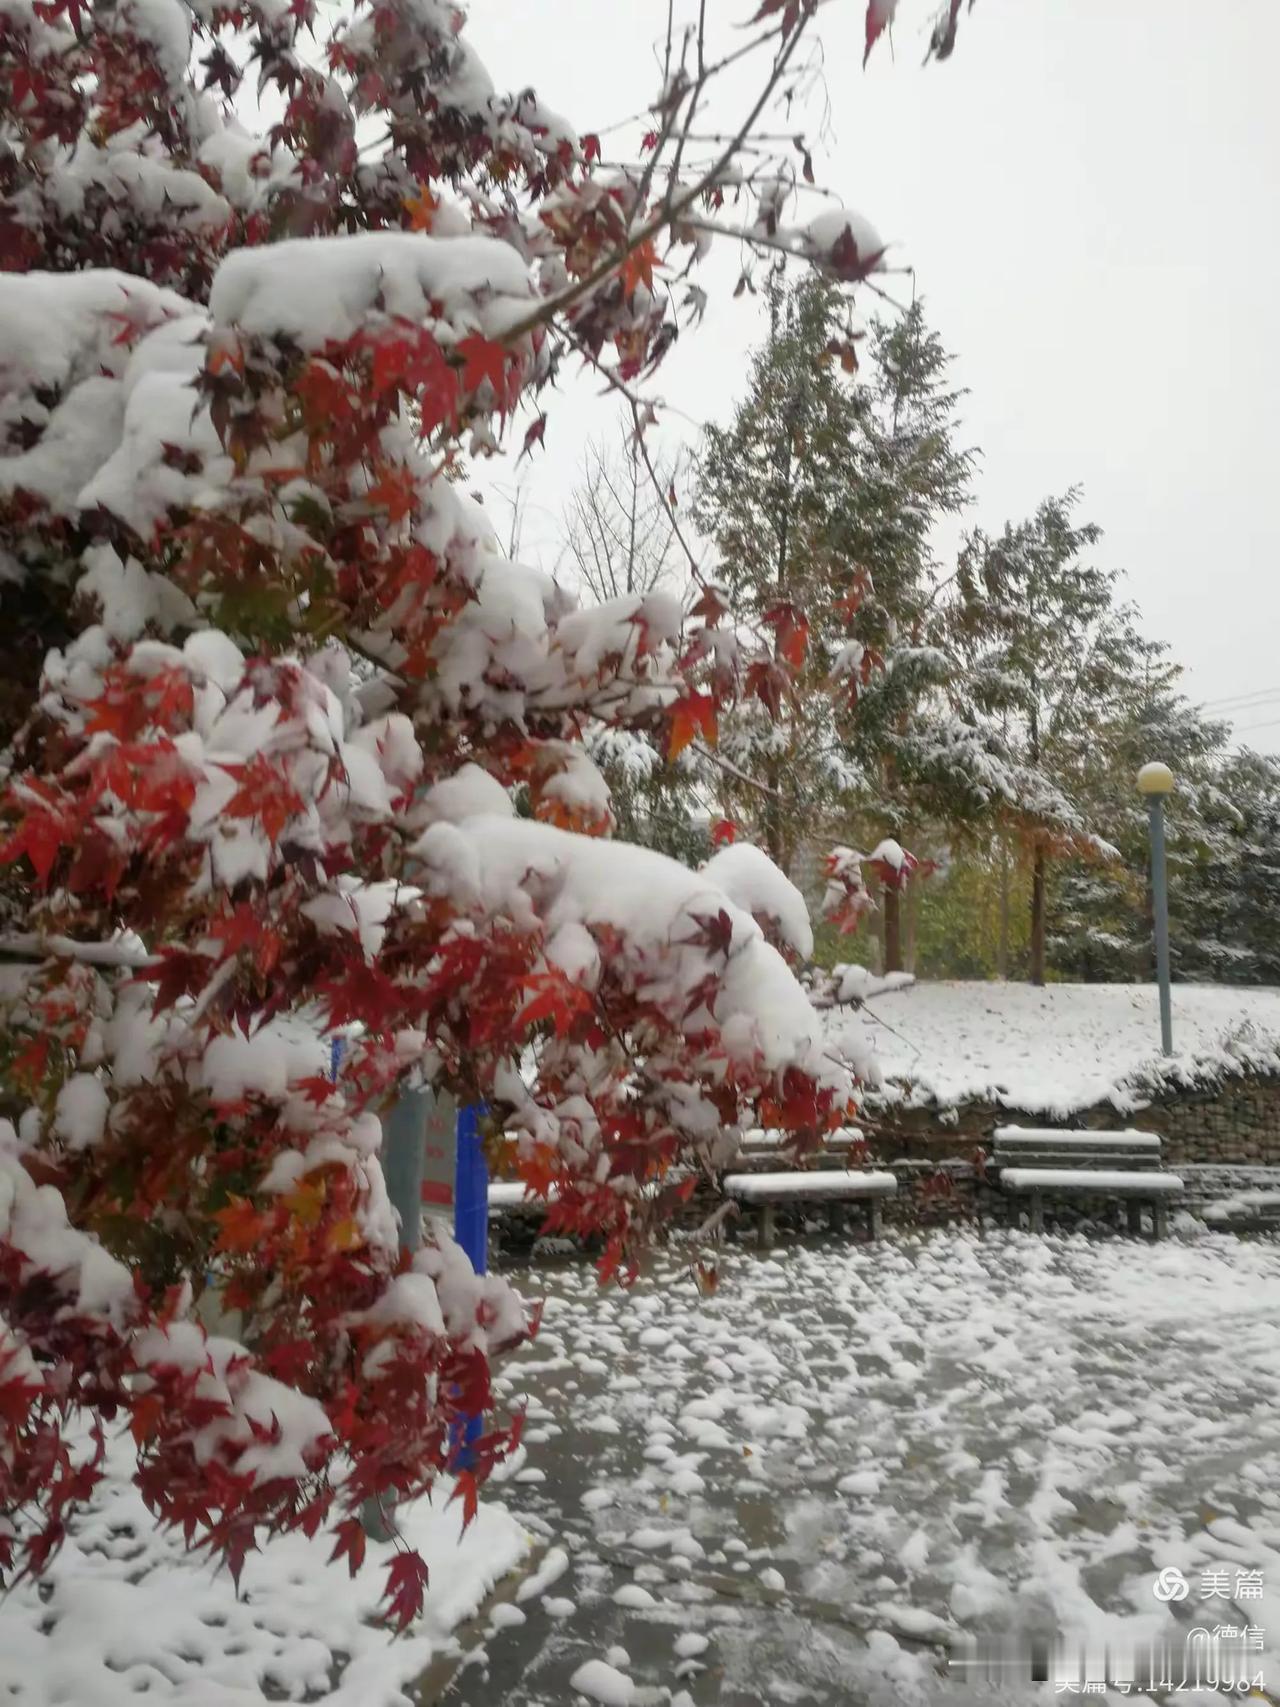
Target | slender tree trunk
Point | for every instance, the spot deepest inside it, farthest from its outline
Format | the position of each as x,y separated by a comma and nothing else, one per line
1002,943
631,521
876,891
892,928
1037,869
774,837
912,930
1037,918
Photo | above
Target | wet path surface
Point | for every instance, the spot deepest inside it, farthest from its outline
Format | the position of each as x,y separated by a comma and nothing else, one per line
784,1492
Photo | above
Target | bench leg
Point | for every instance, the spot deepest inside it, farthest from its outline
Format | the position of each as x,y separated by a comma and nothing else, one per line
768,1216
1035,1213
1135,1217
835,1219
874,1218
1159,1219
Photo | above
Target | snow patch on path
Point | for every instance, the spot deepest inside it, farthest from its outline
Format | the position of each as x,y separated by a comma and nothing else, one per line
131,1616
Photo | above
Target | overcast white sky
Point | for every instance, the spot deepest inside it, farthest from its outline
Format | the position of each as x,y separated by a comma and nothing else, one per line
1088,192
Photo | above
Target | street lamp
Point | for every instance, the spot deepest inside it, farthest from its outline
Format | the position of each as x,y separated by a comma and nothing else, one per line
1155,781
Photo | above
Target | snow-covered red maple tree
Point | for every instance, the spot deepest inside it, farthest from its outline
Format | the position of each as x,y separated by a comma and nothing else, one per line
265,296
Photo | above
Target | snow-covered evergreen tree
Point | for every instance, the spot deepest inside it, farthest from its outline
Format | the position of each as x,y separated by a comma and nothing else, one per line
1045,646
1251,782
825,492
922,770
1100,924
782,494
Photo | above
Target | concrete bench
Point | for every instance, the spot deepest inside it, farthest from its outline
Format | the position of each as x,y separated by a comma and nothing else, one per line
834,1189
1035,1163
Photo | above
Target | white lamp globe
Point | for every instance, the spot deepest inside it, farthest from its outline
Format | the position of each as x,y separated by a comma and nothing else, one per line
1155,779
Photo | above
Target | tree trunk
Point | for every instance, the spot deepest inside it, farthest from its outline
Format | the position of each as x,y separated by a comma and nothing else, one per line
1037,918
912,930
876,890
892,928
1002,943
773,831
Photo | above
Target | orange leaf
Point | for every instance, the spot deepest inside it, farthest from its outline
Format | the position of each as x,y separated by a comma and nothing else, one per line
239,1227
345,1235
465,1489
306,1202
638,267
421,208
690,716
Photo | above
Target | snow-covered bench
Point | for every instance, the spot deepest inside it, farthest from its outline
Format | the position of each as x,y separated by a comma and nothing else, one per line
1033,1163
510,1197
829,1186
1246,1212
758,1147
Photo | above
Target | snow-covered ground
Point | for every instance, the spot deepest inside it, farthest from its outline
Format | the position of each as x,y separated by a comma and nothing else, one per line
784,1492
762,1495
125,1615
1065,1047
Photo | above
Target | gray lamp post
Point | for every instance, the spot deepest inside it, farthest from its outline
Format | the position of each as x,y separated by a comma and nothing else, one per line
1154,782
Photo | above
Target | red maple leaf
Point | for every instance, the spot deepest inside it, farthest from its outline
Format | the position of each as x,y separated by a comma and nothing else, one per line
264,793
179,973
406,1588
711,606
590,148
325,397
790,10
146,1413
848,262
715,932
534,436
483,360
555,998
767,682
792,629
895,876
242,928
879,15
395,491
41,837
350,1543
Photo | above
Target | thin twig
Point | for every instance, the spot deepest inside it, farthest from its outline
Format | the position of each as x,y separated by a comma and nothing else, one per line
671,210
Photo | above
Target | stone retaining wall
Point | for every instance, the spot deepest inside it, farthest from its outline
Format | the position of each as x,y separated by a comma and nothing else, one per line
1233,1122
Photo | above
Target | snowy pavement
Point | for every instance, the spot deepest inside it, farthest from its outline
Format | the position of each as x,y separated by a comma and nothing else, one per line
1063,1048
937,1433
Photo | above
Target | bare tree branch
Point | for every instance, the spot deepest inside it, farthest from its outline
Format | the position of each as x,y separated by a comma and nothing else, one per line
621,535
